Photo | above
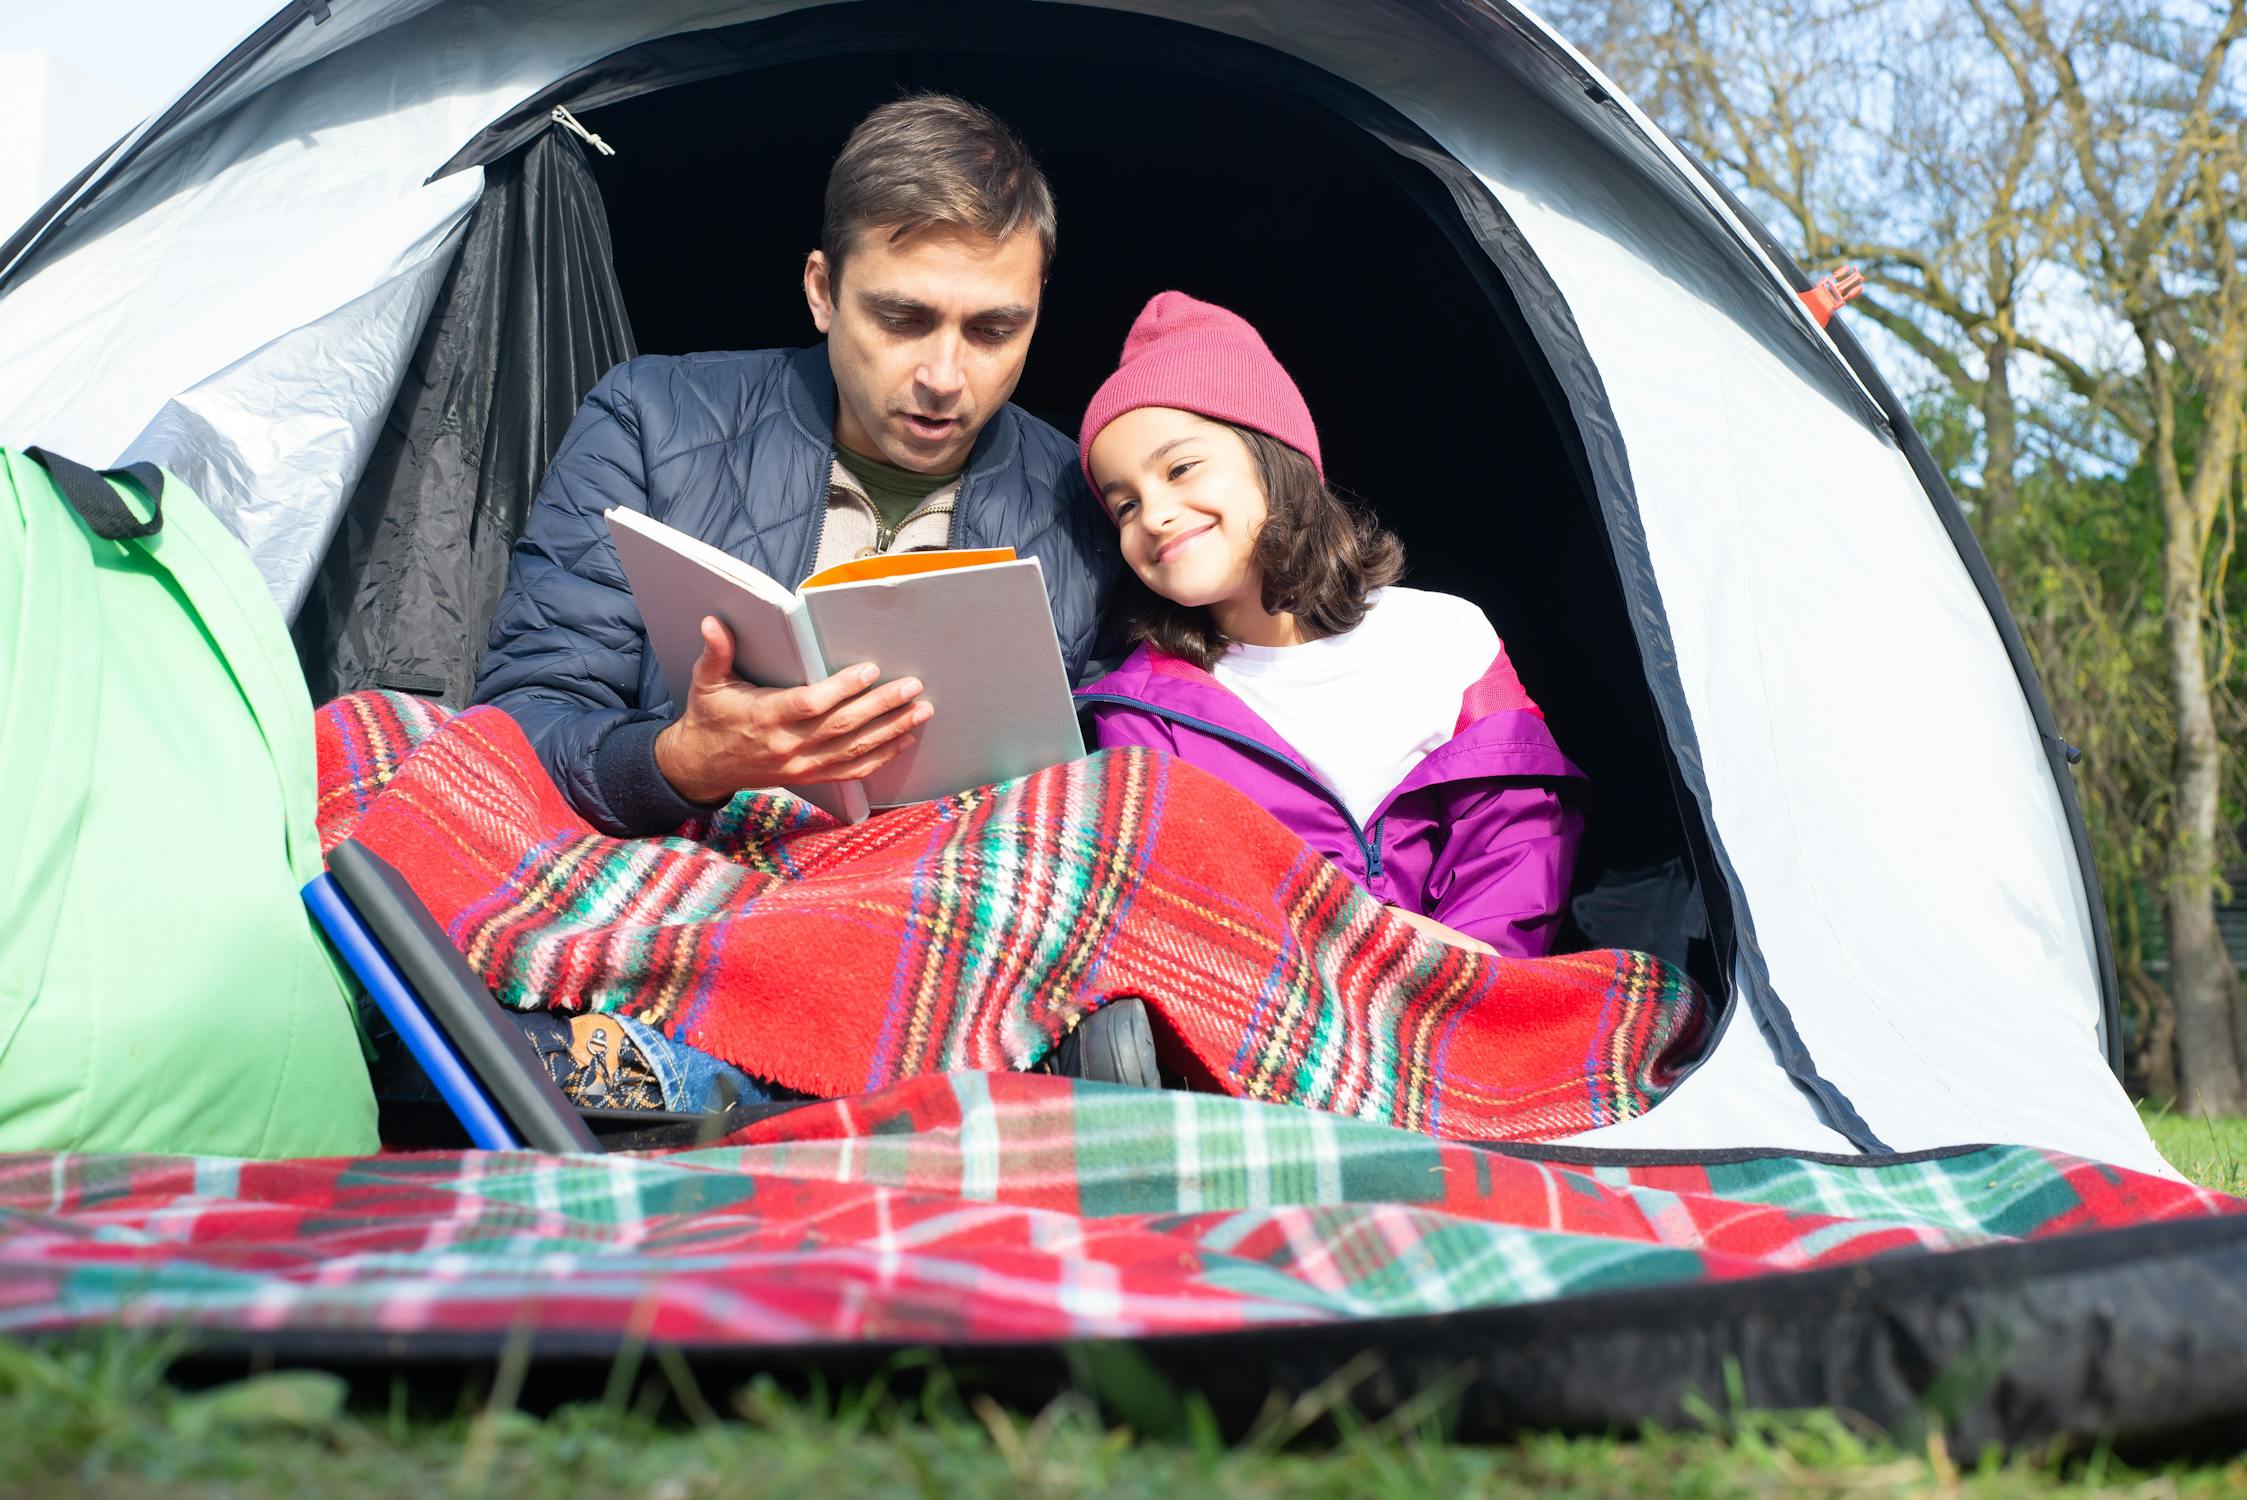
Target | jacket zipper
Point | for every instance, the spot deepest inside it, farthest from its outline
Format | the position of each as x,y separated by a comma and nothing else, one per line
1368,848
885,536
810,559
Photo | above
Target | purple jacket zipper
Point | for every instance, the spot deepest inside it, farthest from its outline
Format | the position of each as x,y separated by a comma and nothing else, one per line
1370,848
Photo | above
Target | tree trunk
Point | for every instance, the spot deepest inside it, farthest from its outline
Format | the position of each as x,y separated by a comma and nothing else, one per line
2157,1042
2201,980
2201,986
2001,443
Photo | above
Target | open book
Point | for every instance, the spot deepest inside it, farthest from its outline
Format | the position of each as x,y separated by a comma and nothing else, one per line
973,626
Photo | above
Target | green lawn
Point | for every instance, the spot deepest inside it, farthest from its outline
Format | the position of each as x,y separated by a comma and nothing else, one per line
100,1419
2212,1153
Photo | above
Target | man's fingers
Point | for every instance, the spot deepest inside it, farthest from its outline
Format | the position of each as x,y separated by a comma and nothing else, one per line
865,740
818,755
864,709
865,765
817,699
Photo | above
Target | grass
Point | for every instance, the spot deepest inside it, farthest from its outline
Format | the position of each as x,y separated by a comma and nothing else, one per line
100,1417
2212,1152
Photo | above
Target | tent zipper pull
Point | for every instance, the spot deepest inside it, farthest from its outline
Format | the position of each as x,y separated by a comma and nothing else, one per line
576,127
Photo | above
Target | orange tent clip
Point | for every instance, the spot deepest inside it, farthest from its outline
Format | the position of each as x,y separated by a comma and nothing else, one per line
1832,292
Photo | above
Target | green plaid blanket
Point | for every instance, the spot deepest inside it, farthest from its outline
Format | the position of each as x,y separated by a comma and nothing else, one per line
974,1207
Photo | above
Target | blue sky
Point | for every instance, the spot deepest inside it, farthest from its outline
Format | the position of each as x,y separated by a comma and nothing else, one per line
148,49
77,74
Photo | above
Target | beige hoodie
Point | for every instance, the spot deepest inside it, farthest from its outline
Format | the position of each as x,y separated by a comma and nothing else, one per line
853,528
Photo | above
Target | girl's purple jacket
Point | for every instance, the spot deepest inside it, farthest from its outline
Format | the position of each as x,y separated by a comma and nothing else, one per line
1481,835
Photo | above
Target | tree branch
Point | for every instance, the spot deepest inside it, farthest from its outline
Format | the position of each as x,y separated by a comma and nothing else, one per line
1922,343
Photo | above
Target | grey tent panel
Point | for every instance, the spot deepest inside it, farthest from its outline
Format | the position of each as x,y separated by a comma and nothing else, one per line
529,317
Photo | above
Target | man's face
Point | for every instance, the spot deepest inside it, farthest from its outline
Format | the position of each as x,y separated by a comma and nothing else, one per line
927,336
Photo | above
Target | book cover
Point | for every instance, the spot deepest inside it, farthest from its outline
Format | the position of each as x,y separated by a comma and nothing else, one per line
974,626
980,638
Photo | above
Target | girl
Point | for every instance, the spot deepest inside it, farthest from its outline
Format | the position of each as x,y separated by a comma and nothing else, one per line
1382,724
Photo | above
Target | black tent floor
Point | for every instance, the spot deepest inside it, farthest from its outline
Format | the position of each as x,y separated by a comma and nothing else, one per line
2132,1339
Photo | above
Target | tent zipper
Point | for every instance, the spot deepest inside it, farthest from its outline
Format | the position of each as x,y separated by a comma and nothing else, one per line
1369,848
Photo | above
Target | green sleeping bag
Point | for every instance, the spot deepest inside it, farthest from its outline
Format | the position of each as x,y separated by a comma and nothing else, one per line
161,986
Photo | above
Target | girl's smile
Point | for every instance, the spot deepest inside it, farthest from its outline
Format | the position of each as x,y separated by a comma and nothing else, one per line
1170,549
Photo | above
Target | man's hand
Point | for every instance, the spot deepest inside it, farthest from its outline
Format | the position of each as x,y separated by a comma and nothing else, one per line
1443,934
734,734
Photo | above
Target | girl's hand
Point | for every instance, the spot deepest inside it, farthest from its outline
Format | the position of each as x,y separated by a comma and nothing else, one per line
1443,934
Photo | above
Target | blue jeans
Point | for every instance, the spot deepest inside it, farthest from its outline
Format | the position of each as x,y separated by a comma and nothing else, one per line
694,1082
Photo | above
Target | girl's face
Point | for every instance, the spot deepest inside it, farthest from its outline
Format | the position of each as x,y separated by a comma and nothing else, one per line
1185,497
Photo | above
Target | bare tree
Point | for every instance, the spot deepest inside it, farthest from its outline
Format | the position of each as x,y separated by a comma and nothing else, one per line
1877,132
2160,151
1969,155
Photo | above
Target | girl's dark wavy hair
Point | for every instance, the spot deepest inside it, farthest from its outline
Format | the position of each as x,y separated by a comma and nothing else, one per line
1321,556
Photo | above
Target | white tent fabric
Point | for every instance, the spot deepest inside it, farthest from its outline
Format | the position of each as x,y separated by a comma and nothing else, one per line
284,430
243,309
1738,1096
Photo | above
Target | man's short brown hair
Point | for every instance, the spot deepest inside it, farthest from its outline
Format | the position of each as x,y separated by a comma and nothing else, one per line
931,159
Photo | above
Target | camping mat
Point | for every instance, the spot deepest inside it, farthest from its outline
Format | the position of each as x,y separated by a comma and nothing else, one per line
976,1207
971,932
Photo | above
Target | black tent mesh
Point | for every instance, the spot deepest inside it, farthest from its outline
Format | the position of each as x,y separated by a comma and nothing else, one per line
529,318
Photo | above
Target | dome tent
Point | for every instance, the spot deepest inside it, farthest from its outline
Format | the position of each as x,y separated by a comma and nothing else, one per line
1742,589
239,292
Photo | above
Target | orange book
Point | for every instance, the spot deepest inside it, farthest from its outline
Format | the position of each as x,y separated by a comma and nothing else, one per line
973,625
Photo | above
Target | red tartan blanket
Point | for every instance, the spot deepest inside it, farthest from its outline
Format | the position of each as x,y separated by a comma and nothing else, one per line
970,933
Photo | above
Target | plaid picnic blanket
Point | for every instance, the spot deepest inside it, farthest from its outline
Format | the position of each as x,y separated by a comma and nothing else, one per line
976,1207
973,931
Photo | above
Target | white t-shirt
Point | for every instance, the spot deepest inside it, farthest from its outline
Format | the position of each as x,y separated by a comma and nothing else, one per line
1364,707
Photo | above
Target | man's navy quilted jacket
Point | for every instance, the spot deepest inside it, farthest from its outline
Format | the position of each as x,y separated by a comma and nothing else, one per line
737,450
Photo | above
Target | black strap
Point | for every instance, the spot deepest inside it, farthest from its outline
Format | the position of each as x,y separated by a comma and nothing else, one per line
97,503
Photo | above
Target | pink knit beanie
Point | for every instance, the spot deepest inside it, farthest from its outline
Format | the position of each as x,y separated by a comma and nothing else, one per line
1197,357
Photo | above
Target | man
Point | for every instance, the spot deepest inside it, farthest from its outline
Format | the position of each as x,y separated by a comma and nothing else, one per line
895,434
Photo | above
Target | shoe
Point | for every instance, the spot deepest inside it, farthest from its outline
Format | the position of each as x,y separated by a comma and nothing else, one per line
594,1060
1114,1044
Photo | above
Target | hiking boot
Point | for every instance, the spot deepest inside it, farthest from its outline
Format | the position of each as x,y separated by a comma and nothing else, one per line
1114,1044
594,1059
